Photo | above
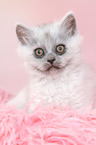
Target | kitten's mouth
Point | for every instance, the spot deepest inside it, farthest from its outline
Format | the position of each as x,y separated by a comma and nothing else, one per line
56,67
48,69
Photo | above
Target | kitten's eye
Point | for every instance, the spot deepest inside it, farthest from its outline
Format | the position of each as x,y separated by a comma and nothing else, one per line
39,52
60,49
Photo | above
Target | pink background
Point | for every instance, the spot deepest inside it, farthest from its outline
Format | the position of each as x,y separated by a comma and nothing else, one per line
30,12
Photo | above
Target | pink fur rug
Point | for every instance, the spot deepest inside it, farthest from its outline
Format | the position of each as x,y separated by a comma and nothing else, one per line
45,126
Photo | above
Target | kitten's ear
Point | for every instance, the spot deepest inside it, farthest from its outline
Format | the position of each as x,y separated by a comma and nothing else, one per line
23,34
68,23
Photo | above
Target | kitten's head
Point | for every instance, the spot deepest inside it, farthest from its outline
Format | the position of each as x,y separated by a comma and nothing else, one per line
50,47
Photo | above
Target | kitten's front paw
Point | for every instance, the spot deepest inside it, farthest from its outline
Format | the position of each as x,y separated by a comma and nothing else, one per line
16,102
13,102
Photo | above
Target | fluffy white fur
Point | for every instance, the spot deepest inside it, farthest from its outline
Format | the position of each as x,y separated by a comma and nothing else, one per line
73,84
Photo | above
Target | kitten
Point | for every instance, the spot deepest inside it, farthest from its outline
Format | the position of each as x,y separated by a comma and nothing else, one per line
57,71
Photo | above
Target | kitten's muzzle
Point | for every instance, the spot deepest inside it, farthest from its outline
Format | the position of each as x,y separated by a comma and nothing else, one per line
51,60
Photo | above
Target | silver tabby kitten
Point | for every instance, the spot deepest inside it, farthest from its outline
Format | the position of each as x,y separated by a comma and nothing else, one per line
57,71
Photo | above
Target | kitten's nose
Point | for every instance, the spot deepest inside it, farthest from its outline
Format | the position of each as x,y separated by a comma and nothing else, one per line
51,60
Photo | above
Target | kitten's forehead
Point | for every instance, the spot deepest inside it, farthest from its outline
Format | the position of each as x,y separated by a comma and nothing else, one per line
48,35
46,30
44,35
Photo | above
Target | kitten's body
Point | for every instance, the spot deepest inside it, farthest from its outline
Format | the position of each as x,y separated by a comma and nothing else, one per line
72,87
68,80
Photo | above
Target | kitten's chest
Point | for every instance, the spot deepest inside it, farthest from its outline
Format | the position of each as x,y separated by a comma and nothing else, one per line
51,89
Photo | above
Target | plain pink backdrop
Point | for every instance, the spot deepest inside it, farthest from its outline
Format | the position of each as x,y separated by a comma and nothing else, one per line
31,12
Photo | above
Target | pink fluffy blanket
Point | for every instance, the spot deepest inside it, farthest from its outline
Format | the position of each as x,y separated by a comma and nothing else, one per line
45,126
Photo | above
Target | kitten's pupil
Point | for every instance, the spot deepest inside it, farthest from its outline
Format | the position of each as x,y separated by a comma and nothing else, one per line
60,48
39,52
